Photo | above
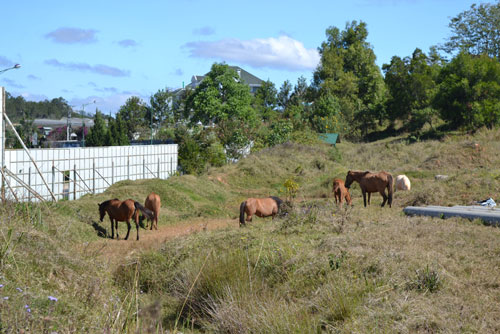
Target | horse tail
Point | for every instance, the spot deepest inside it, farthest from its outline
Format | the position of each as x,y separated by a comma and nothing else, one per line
390,189
277,200
242,212
148,213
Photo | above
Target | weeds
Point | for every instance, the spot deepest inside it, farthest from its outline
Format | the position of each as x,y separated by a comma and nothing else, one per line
426,280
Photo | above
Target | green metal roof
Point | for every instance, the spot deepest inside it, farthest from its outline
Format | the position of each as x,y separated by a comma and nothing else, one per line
330,138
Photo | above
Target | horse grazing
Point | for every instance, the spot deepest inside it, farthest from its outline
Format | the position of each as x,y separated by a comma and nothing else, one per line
153,203
122,211
341,192
402,183
372,183
261,207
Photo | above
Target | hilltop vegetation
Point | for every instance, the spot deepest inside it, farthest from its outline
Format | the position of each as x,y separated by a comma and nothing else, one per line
316,269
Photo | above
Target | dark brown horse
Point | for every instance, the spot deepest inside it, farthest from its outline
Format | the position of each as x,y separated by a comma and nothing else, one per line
261,207
122,211
372,183
341,192
153,203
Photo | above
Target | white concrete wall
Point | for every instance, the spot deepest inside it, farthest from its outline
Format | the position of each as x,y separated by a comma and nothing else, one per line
96,167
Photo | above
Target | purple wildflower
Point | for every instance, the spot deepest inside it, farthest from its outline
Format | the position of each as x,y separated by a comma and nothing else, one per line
53,298
27,307
1,285
19,289
6,298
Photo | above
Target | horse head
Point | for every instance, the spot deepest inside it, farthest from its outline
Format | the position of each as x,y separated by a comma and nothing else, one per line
102,211
349,179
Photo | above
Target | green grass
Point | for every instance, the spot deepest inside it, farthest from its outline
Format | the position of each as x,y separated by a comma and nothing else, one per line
318,269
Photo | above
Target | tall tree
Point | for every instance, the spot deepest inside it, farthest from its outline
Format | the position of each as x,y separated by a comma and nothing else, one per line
133,114
284,94
221,96
117,134
265,100
347,71
468,93
98,133
160,109
412,84
223,101
476,31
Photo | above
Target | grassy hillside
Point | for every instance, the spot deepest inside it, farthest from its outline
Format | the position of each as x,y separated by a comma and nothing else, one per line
317,269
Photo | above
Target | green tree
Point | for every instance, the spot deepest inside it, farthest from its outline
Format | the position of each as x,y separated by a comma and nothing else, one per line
98,134
160,110
117,134
347,70
223,101
411,84
476,31
265,100
221,96
133,114
468,93
284,95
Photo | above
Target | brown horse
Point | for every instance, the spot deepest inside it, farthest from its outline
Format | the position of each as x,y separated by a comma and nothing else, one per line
153,203
122,211
372,183
261,207
341,192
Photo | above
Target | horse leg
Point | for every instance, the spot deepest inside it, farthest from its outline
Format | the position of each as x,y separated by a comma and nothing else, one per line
369,198
137,227
249,218
340,201
364,196
112,228
384,196
128,229
116,228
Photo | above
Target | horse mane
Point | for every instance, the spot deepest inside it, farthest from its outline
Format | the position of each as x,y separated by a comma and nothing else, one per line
277,200
106,203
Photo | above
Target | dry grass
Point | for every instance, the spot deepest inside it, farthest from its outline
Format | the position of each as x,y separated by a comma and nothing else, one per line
316,269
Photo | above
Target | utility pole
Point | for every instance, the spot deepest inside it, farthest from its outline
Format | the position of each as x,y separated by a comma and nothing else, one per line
83,121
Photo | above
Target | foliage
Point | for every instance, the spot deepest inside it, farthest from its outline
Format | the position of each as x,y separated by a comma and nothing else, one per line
18,108
280,132
117,134
160,112
411,83
133,114
221,96
469,92
265,100
476,31
98,134
291,188
347,71
198,150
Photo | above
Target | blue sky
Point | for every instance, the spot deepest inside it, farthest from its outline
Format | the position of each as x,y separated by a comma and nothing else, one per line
110,50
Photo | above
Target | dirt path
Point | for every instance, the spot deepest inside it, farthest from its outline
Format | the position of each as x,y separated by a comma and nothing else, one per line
116,251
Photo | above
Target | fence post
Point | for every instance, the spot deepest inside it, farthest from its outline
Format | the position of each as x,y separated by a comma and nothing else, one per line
29,183
53,175
171,169
93,176
158,167
112,172
143,167
128,167
74,182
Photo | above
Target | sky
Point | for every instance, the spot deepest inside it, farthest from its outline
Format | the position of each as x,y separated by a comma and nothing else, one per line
107,51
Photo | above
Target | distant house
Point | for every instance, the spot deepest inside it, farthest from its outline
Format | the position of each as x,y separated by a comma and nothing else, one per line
247,78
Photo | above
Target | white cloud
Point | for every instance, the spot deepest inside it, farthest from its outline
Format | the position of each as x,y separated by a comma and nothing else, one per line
281,53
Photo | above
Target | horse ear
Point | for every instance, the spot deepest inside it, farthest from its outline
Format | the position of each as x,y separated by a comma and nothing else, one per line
366,172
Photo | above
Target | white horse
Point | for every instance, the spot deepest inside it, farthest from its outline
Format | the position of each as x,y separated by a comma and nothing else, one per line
402,182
